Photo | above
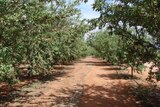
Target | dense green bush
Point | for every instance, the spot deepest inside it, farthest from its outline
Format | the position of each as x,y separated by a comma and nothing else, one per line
7,73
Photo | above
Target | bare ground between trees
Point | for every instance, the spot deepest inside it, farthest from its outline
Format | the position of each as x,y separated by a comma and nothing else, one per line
89,82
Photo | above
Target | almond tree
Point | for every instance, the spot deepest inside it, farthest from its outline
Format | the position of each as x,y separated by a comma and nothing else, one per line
38,34
137,23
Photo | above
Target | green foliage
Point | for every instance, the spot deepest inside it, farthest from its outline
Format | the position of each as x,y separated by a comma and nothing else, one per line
137,27
117,50
106,45
7,74
40,33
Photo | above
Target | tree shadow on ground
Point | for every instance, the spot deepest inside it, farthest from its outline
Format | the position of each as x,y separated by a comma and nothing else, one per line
68,64
103,64
7,97
9,93
117,76
63,67
45,78
96,63
68,98
148,95
111,95
113,68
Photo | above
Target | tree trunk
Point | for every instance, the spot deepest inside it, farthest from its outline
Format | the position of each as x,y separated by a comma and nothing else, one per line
132,70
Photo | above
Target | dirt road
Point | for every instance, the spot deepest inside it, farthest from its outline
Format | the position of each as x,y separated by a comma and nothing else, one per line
88,83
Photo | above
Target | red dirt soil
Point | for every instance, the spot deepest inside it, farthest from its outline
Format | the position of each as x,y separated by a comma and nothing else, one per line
89,82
